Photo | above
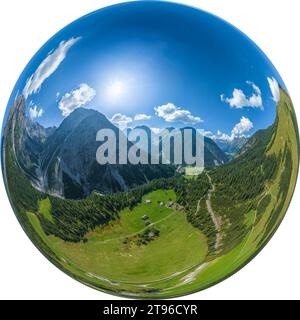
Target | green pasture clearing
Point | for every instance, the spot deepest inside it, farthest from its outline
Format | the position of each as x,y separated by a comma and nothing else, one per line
45,209
175,262
178,247
131,221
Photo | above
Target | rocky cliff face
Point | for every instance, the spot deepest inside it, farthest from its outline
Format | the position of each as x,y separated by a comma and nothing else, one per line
28,138
62,161
69,159
213,155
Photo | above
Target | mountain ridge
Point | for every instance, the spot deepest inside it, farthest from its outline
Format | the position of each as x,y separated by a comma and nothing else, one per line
58,162
61,165
231,147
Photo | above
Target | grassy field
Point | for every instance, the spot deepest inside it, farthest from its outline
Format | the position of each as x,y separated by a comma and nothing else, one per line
178,248
119,256
280,194
45,209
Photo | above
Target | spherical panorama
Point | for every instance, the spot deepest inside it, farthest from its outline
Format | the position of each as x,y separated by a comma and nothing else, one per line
150,149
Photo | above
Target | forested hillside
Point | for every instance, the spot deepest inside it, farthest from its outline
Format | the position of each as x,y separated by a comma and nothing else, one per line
232,210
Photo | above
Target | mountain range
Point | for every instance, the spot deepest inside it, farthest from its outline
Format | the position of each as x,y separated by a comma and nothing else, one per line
213,155
61,161
231,147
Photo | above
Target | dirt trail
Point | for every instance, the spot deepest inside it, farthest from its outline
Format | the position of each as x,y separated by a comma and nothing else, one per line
215,218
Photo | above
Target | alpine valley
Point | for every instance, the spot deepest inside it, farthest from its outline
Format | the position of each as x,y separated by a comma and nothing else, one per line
149,150
147,230
57,162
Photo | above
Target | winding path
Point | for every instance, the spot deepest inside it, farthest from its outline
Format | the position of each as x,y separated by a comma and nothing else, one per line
215,218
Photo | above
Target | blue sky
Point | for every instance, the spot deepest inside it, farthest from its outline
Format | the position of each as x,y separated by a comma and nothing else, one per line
153,63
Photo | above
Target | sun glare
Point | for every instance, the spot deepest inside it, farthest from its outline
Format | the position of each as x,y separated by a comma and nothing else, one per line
115,90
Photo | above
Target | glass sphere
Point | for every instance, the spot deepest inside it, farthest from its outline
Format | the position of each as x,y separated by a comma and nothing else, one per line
150,149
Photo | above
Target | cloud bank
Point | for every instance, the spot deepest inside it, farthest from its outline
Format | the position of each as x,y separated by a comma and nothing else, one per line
75,99
244,126
274,87
48,67
141,117
156,130
171,113
121,119
238,131
239,100
35,112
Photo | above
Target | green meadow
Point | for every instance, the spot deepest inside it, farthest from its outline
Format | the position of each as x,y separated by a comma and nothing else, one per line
178,247
170,236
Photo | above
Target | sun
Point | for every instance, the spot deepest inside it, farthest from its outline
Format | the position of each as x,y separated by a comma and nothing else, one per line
115,90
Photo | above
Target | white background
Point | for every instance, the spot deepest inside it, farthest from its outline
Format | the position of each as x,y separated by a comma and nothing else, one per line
25,25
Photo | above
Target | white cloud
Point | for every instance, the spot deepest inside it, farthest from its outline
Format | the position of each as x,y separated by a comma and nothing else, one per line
239,100
274,87
121,119
171,113
141,117
210,134
155,130
47,67
225,137
239,130
244,126
35,112
76,98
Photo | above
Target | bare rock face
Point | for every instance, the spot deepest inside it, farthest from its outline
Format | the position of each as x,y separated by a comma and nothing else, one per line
213,155
69,160
62,161
28,138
